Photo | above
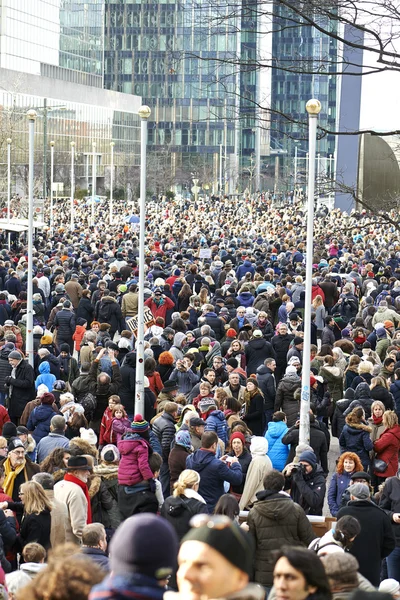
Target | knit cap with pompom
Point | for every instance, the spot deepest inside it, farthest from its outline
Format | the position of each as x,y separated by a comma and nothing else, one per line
139,424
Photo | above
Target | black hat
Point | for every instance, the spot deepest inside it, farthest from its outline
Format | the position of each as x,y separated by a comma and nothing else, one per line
21,430
196,422
144,544
297,341
9,430
361,475
14,443
79,462
170,386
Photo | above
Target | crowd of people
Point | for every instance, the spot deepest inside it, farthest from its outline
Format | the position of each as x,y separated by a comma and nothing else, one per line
207,493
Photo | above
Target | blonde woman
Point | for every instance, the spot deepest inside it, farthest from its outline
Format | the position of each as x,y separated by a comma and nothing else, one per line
36,520
365,369
376,420
185,502
320,313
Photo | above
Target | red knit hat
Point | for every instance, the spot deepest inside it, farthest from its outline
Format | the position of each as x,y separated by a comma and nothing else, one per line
312,380
231,333
238,436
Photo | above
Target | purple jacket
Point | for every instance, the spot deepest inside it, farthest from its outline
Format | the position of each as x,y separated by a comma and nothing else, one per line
119,427
134,466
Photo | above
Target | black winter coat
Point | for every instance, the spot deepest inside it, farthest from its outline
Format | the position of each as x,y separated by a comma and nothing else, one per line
85,310
267,384
275,521
280,344
284,399
179,510
256,352
376,539
245,460
164,428
355,437
255,415
308,490
23,389
390,503
317,442
216,324
36,528
65,324
381,393
5,367
339,419
109,311
128,385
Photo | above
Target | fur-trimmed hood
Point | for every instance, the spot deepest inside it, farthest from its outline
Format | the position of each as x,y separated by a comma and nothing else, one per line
78,446
30,444
94,484
351,422
106,472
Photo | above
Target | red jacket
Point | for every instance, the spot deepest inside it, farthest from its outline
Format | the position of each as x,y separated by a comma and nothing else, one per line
155,381
78,336
317,291
105,428
4,417
159,310
387,449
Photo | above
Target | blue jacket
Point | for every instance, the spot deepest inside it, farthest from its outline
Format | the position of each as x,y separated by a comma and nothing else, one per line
45,376
277,452
213,472
246,299
338,485
246,267
48,443
39,421
216,422
127,587
395,390
186,380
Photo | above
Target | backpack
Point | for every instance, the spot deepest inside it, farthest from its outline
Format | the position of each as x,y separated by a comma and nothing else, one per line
89,403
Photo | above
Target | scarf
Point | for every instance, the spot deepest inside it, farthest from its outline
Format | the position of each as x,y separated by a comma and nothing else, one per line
11,476
377,420
84,488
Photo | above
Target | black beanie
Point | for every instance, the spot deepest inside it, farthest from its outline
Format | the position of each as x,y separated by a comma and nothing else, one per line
235,544
9,430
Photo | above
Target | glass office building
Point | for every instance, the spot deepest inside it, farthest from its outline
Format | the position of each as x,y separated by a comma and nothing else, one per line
61,39
301,51
171,53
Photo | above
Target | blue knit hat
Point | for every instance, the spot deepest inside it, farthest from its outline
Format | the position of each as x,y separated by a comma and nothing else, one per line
139,424
182,438
308,457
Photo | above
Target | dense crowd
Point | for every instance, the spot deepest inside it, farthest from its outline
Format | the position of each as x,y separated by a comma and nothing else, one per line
207,493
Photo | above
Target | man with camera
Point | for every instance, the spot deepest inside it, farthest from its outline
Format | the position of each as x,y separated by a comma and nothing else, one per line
306,481
184,375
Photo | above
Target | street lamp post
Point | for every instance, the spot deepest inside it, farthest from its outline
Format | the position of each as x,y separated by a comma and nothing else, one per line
72,144
51,183
94,176
313,108
220,169
9,140
44,149
144,114
31,115
112,144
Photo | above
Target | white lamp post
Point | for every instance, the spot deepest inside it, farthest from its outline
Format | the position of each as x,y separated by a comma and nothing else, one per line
9,141
144,114
313,108
72,144
94,176
112,144
51,183
31,116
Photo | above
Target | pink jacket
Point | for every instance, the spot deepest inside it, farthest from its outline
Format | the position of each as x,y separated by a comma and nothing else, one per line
134,465
119,427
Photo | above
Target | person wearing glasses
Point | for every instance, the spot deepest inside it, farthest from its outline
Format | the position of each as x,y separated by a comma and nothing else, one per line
18,468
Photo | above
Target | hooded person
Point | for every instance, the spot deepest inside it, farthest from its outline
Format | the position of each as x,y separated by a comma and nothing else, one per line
143,554
362,397
307,484
45,376
176,348
40,417
177,456
285,400
259,467
21,385
356,436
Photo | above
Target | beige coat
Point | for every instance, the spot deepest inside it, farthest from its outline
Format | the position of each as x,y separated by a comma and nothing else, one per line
74,291
59,520
130,304
73,497
241,391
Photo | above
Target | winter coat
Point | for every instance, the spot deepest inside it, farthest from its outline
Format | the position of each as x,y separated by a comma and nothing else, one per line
387,449
339,484
176,348
134,465
259,467
85,311
23,389
362,397
65,323
327,336
101,501
277,450
246,299
160,310
267,385
73,497
36,528
308,490
216,324
255,415
333,376
97,556
39,421
176,463
317,442
216,422
376,539
179,510
390,503
4,418
213,473
376,429
281,344
284,399
109,311
45,376
6,368
245,459
364,378
257,350
379,392
355,438
118,428
47,444
395,390
275,521
164,429
185,379
128,385
245,267
109,479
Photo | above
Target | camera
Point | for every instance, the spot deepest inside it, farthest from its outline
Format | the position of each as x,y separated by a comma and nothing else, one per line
299,468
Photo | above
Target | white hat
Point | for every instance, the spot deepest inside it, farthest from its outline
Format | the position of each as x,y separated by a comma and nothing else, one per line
290,369
390,586
42,389
88,435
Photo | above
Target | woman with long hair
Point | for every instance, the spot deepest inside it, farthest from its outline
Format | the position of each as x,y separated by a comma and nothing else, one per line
352,370
184,297
56,462
36,520
237,443
380,391
228,505
387,448
185,502
376,420
155,381
165,365
254,407
320,313
236,351
348,463
338,539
